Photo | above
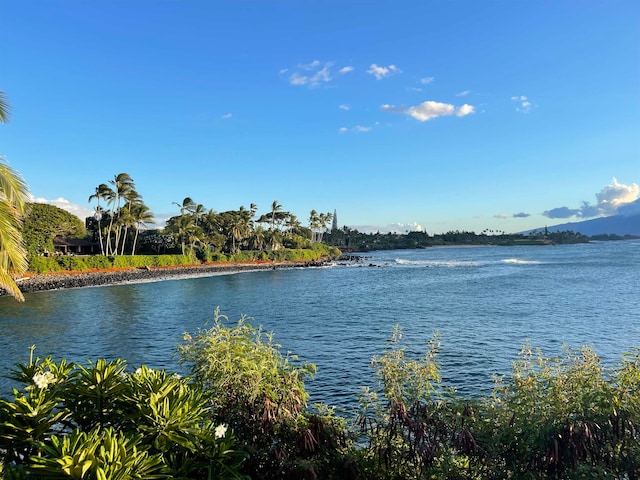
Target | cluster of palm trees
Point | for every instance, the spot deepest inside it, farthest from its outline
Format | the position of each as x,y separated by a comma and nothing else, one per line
119,216
235,230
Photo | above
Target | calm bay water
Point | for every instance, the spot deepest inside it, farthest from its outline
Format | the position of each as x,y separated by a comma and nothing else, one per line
485,302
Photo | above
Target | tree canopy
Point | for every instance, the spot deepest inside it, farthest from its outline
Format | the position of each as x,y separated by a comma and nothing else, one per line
43,222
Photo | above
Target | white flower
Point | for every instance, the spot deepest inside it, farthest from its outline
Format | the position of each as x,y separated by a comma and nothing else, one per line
176,376
44,379
221,431
138,371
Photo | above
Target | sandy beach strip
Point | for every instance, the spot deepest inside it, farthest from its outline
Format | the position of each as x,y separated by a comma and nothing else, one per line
62,280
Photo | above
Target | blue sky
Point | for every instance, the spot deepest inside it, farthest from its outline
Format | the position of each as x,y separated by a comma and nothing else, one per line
507,115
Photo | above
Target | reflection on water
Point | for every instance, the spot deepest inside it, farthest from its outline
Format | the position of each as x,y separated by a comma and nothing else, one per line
484,302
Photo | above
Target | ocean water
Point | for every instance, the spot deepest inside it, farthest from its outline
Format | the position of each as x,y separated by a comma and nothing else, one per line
484,303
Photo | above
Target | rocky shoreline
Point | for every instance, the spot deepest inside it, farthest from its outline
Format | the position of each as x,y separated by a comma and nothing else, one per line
56,281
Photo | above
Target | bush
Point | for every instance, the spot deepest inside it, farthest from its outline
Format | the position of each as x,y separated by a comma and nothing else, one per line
43,265
261,395
98,421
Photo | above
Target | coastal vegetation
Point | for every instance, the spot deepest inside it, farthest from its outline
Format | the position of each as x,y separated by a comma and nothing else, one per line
13,199
242,411
352,240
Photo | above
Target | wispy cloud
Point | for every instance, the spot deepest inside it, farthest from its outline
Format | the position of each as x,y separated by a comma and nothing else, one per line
521,215
346,69
427,80
429,110
381,72
311,74
60,202
615,198
524,105
344,106
463,93
357,128
227,115
501,216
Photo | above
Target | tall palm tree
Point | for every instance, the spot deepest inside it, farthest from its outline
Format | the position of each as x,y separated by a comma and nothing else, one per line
141,216
132,198
275,208
314,224
102,193
122,184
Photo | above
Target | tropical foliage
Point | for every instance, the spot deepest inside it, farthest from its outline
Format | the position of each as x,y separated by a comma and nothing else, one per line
118,225
103,421
244,412
43,222
13,196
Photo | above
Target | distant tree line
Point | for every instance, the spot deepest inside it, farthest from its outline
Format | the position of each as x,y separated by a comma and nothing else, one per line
352,240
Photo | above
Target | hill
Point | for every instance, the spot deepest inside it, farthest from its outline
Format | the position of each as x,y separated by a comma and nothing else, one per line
617,225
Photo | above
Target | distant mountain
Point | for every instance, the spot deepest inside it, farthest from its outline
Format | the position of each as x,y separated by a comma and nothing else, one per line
617,225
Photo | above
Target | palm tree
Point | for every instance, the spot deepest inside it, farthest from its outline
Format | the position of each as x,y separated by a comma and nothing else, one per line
13,255
141,216
314,224
102,192
187,206
4,108
126,218
257,238
275,208
123,183
13,200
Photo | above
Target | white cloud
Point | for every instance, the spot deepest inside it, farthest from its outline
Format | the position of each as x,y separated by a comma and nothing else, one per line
613,199
297,79
344,106
309,66
78,210
382,72
613,196
501,216
429,110
463,93
427,80
465,109
346,69
227,115
524,105
358,128
312,74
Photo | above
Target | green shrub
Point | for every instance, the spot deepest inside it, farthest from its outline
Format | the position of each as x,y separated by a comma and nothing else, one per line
71,263
43,265
218,257
98,261
261,395
98,421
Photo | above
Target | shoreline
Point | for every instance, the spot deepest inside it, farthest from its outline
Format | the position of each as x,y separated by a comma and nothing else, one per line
96,278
